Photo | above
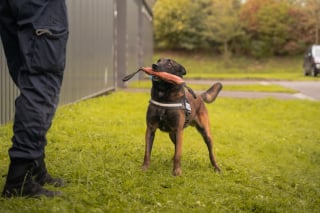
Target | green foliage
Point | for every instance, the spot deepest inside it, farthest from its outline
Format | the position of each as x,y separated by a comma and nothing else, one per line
266,22
178,24
268,150
256,27
223,23
273,27
312,7
300,31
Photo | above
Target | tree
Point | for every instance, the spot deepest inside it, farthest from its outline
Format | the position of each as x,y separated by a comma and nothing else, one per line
179,24
257,27
313,10
266,24
274,22
223,23
301,30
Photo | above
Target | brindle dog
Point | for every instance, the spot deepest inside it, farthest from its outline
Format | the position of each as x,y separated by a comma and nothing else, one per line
172,108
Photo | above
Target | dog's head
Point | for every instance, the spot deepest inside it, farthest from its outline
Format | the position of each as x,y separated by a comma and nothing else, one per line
169,66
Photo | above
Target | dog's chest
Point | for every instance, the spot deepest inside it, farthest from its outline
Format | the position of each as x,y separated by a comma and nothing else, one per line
167,120
164,126
172,106
169,117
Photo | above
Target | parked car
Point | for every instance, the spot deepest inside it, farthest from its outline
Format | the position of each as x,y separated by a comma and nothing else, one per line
311,64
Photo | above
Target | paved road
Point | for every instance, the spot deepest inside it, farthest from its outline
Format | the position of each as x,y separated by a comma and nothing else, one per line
307,89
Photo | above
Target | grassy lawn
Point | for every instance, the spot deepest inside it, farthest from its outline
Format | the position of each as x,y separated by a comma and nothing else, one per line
204,66
268,150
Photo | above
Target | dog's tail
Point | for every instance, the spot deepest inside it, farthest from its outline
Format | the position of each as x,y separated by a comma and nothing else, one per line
212,93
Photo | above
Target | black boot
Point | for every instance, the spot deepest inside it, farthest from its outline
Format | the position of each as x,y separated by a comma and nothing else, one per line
19,181
42,176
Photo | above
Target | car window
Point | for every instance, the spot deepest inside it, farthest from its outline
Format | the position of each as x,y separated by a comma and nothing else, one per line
316,51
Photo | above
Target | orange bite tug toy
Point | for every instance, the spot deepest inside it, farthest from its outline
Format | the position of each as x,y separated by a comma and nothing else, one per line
162,75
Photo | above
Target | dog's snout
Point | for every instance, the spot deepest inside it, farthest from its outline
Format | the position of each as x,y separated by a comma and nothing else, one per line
154,66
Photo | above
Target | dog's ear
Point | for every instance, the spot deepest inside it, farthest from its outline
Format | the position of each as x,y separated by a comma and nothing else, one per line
182,70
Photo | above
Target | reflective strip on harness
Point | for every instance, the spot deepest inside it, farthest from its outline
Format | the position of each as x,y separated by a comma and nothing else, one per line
166,105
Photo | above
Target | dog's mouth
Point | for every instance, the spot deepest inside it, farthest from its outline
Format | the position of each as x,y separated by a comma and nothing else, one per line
156,68
169,66
161,68
155,78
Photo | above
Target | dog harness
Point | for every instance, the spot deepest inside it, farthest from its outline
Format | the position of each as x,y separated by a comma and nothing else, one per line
172,105
184,105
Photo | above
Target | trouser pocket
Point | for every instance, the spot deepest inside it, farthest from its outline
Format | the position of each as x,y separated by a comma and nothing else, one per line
48,50
42,30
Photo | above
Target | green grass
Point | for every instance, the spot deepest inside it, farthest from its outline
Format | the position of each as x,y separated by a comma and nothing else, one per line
268,151
146,84
204,66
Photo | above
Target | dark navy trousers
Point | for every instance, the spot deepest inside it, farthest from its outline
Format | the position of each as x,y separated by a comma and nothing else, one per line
34,34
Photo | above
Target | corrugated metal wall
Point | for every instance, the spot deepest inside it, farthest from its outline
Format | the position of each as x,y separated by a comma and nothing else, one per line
146,37
90,56
8,91
108,39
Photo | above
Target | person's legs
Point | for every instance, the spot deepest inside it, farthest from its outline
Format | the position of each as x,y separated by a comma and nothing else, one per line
35,38
9,37
43,177
20,183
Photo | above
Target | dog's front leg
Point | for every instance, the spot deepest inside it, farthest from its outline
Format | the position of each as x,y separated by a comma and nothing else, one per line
177,154
150,133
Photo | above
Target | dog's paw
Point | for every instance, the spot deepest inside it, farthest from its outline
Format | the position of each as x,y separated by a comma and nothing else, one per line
177,172
144,167
217,169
